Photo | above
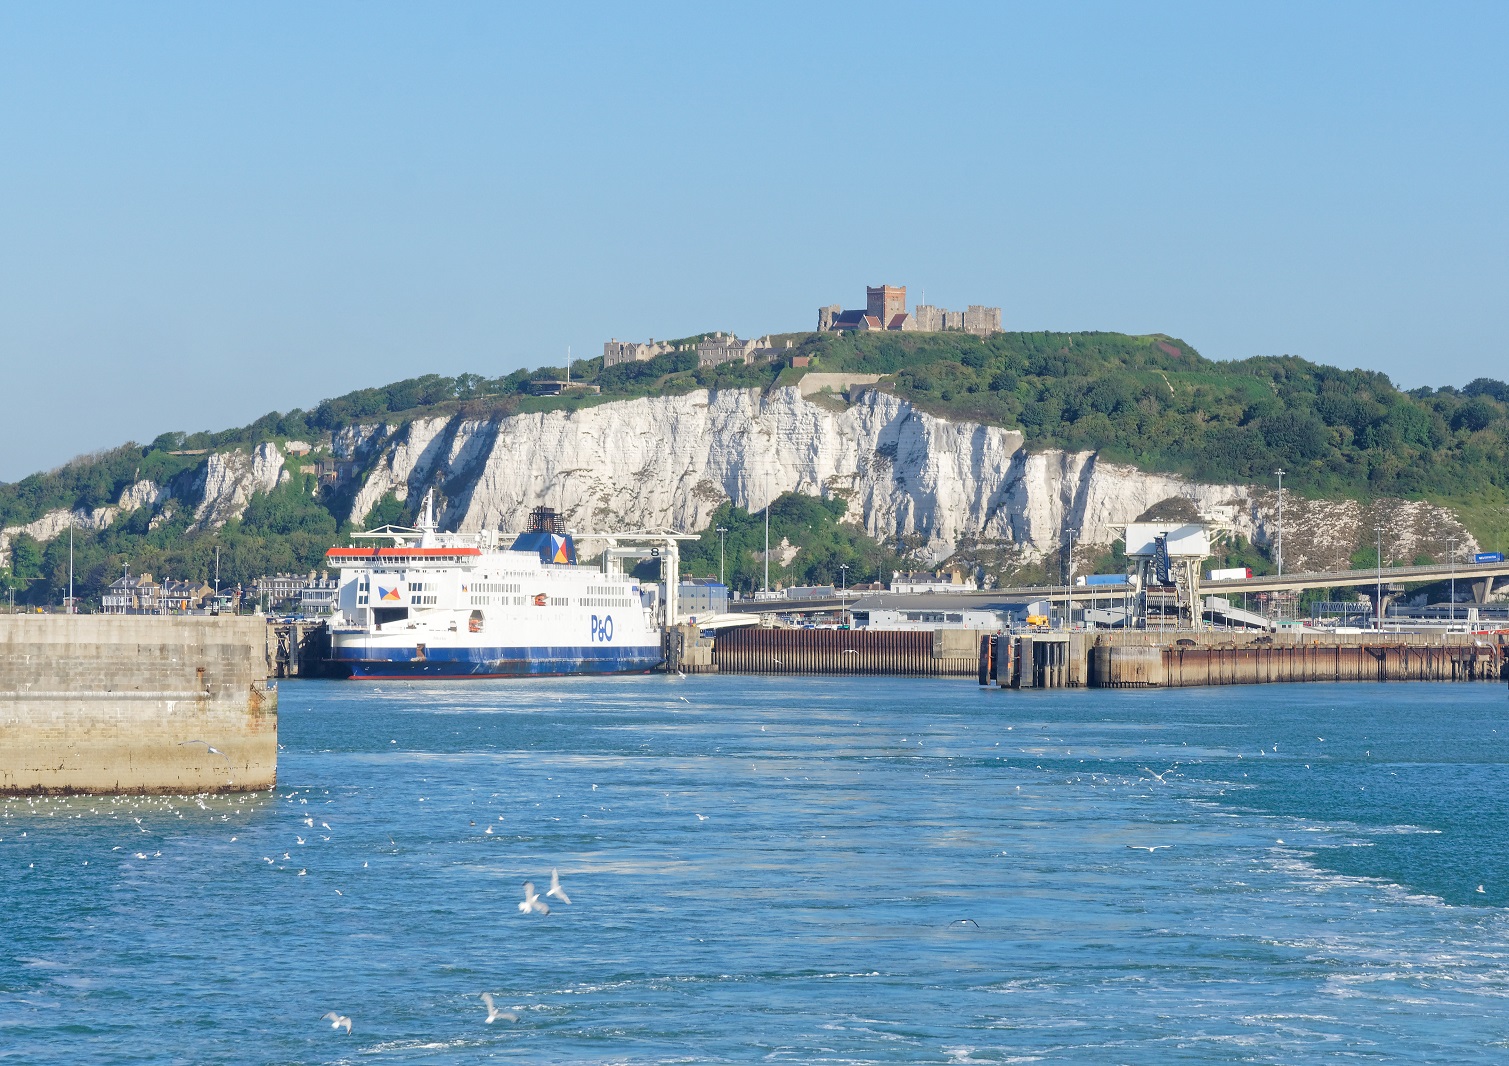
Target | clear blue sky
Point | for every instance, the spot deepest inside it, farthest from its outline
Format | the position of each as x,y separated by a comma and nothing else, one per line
209,211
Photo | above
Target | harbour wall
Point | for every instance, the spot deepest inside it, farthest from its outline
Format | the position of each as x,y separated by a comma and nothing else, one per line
100,704
1173,660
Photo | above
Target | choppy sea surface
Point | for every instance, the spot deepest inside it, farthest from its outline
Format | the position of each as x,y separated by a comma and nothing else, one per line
790,870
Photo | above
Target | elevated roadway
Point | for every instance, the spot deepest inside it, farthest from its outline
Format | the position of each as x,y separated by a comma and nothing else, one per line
1479,576
1391,575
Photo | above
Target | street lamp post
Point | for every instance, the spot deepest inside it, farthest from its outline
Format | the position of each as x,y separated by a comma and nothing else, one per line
1068,574
843,594
1380,579
1278,548
70,562
767,546
1452,607
721,531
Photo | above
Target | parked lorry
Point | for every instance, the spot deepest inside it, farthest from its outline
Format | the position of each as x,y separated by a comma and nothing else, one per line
1234,573
1101,579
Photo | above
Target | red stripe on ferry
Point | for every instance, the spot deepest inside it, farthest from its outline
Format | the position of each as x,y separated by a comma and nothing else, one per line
387,553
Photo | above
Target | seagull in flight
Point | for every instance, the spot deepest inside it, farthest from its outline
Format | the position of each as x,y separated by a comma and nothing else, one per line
210,748
1161,776
337,1020
1146,848
532,903
556,891
493,1013
683,699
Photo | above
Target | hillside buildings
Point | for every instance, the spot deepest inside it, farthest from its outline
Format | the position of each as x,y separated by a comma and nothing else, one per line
616,351
143,595
885,309
949,579
726,348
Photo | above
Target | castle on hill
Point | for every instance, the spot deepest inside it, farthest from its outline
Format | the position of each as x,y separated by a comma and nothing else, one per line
885,309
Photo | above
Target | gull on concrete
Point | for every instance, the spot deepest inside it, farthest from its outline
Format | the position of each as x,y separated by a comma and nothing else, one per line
556,891
337,1020
532,903
493,1013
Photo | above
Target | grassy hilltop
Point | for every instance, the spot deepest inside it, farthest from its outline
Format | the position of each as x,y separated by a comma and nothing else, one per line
1151,401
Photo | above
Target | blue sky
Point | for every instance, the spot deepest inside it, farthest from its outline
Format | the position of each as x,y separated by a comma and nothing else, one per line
212,211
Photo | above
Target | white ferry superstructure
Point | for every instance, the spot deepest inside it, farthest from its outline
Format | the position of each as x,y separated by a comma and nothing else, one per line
448,605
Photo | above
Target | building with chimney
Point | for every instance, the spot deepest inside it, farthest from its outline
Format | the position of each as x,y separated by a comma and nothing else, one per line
616,351
726,348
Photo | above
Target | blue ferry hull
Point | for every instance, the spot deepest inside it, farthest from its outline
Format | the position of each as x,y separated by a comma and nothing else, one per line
436,663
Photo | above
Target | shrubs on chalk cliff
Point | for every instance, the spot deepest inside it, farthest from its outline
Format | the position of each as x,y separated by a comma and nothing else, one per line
809,543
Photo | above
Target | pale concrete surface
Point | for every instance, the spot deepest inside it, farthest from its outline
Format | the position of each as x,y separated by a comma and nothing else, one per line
94,703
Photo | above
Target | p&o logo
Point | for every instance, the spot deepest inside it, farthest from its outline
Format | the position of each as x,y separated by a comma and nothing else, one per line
602,628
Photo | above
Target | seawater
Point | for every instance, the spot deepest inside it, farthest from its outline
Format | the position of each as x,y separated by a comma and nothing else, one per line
790,870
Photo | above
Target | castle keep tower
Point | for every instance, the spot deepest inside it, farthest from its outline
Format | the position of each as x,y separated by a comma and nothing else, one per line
885,302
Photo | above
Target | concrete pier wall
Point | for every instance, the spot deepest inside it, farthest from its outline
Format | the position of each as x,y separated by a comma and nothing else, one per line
98,704
1181,660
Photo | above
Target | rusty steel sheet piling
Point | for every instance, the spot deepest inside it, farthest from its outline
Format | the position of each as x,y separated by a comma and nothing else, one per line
939,653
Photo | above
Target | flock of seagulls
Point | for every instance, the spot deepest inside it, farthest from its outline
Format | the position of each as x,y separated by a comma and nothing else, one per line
533,904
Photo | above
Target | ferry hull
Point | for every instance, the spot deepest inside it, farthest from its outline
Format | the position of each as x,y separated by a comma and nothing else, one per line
436,663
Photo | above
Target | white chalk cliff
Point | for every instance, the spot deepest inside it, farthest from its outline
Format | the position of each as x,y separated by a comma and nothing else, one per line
905,475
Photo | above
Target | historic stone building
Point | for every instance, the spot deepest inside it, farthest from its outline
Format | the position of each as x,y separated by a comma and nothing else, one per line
980,320
725,348
616,351
885,308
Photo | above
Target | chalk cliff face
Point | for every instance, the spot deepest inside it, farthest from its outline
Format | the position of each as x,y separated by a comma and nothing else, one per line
905,476
229,481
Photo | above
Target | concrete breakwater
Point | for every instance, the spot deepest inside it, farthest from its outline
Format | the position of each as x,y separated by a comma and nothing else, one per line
98,704
1174,660
756,650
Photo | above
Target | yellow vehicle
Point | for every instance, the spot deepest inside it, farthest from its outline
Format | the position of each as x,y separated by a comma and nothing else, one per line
1037,620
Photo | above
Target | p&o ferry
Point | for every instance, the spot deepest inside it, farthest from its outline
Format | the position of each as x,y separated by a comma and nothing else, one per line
448,605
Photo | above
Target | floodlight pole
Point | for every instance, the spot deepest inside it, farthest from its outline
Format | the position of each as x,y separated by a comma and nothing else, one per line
1278,548
721,531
